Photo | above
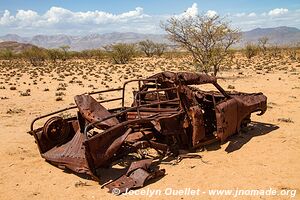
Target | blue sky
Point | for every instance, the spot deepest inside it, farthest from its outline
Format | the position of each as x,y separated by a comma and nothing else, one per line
30,17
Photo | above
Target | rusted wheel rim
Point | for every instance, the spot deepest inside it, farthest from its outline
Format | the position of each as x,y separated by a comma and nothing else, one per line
56,129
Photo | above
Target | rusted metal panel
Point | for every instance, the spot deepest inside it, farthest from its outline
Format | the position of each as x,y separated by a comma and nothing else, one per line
70,155
198,125
144,164
103,146
226,115
45,143
170,125
93,111
140,135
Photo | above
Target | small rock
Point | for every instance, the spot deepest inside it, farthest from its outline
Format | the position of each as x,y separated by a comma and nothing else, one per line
231,87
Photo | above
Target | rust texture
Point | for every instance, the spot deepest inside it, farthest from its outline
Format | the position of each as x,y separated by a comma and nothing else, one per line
169,113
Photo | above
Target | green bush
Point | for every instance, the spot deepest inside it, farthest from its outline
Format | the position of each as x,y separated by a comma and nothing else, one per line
91,54
55,54
35,55
121,53
251,50
150,48
275,51
6,54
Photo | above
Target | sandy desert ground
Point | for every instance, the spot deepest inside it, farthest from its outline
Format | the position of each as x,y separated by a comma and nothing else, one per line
266,156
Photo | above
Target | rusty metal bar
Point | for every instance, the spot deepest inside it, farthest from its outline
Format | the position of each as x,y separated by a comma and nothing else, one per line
92,93
221,90
109,100
65,109
149,118
124,111
103,91
158,110
158,90
130,81
52,113
139,100
157,93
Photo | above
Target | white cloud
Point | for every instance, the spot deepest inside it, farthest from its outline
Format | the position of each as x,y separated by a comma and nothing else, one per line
26,15
281,17
193,11
60,20
211,13
190,12
57,15
240,14
6,19
278,12
252,14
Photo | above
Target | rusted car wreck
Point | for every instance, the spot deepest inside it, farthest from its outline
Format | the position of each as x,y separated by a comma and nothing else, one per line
168,113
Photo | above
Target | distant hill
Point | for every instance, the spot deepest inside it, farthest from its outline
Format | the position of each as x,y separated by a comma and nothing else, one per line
15,47
280,35
14,37
92,41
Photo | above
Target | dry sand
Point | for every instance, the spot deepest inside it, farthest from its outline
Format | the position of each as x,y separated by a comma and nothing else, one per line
267,156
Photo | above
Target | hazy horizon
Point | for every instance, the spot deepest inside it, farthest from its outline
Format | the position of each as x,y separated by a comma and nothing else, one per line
163,33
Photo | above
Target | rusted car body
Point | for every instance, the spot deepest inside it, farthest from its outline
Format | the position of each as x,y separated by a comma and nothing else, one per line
168,113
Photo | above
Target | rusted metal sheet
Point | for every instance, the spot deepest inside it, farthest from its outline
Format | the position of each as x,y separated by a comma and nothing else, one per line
103,146
198,124
226,115
93,111
137,174
70,155
168,114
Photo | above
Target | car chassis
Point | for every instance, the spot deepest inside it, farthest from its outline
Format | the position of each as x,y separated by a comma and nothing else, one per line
167,114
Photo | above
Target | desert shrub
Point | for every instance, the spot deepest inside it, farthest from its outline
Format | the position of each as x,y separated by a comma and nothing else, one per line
150,48
262,43
121,53
73,54
65,49
292,51
206,38
55,54
35,55
6,54
159,49
91,54
275,51
147,47
251,50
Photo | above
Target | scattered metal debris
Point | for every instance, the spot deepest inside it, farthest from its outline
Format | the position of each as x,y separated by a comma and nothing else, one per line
81,184
135,177
169,113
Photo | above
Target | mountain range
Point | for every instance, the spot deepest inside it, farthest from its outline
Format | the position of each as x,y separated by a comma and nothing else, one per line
279,35
282,35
